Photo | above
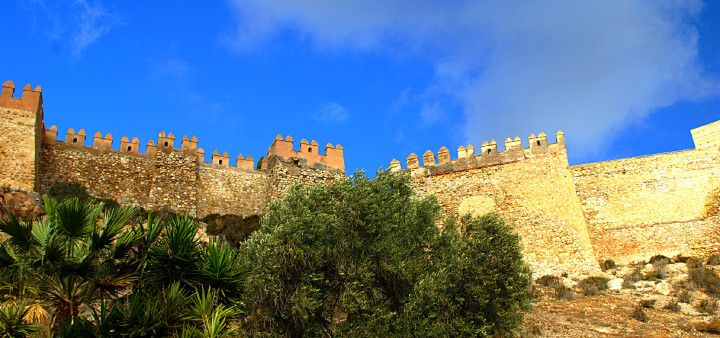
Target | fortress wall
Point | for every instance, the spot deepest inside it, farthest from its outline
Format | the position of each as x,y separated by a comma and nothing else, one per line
174,180
639,243
225,190
21,132
663,195
284,174
537,195
105,173
17,151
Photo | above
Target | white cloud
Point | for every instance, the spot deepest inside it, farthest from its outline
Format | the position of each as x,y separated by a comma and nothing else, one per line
515,67
94,21
331,112
73,25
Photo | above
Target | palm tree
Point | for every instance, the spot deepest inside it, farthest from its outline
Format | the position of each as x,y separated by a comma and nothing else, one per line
73,257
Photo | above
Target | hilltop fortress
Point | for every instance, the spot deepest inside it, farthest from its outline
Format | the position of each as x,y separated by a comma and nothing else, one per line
569,217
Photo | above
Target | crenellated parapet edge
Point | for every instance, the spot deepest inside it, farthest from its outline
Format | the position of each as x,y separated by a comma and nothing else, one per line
31,99
467,158
308,155
281,148
165,143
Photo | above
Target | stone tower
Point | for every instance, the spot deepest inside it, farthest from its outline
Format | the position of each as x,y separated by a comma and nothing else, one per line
21,135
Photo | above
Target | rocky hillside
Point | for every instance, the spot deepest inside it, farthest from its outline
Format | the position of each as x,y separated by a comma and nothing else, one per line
664,298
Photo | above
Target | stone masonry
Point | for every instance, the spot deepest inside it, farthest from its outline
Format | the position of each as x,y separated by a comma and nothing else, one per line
568,217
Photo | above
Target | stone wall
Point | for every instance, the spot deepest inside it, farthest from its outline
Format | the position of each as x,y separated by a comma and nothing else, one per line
173,179
699,237
21,135
534,192
105,173
706,136
226,190
285,173
659,197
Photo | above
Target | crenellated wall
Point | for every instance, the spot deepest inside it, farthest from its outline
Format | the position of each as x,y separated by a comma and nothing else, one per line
163,175
568,217
529,187
20,127
166,177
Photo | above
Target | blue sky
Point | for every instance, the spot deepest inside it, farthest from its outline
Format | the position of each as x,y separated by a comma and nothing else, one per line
384,78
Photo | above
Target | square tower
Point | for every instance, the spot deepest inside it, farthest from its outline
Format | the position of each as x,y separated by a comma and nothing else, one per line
21,136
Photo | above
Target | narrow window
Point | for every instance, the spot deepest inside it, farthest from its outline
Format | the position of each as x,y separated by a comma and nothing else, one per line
309,150
166,144
129,149
489,151
538,142
75,140
220,162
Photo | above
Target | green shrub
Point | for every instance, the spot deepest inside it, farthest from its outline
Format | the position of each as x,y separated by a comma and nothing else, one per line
259,164
707,279
659,260
711,327
631,278
651,275
640,315
685,297
66,190
693,263
714,259
564,293
607,265
681,259
550,281
672,306
364,257
707,306
648,303
593,285
109,204
234,228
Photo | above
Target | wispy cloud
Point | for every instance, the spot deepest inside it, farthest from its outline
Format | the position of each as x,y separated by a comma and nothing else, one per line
74,25
331,113
516,67
93,22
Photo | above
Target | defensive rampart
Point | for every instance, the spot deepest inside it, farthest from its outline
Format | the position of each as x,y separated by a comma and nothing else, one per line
568,217
530,187
642,206
163,175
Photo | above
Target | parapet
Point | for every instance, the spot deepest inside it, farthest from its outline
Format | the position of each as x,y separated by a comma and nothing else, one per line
706,136
489,155
31,99
308,153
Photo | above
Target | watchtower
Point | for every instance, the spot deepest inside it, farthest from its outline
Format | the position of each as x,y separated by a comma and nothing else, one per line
21,136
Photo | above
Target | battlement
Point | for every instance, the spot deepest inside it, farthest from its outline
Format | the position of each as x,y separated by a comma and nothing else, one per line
308,153
489,155
31,99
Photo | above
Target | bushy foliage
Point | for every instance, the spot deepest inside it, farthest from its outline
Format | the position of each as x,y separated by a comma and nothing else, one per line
707,279
659,260
98,273
639,314
365,258
68,190
607,264
714,259
360,257
593,285
549,281
234,228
